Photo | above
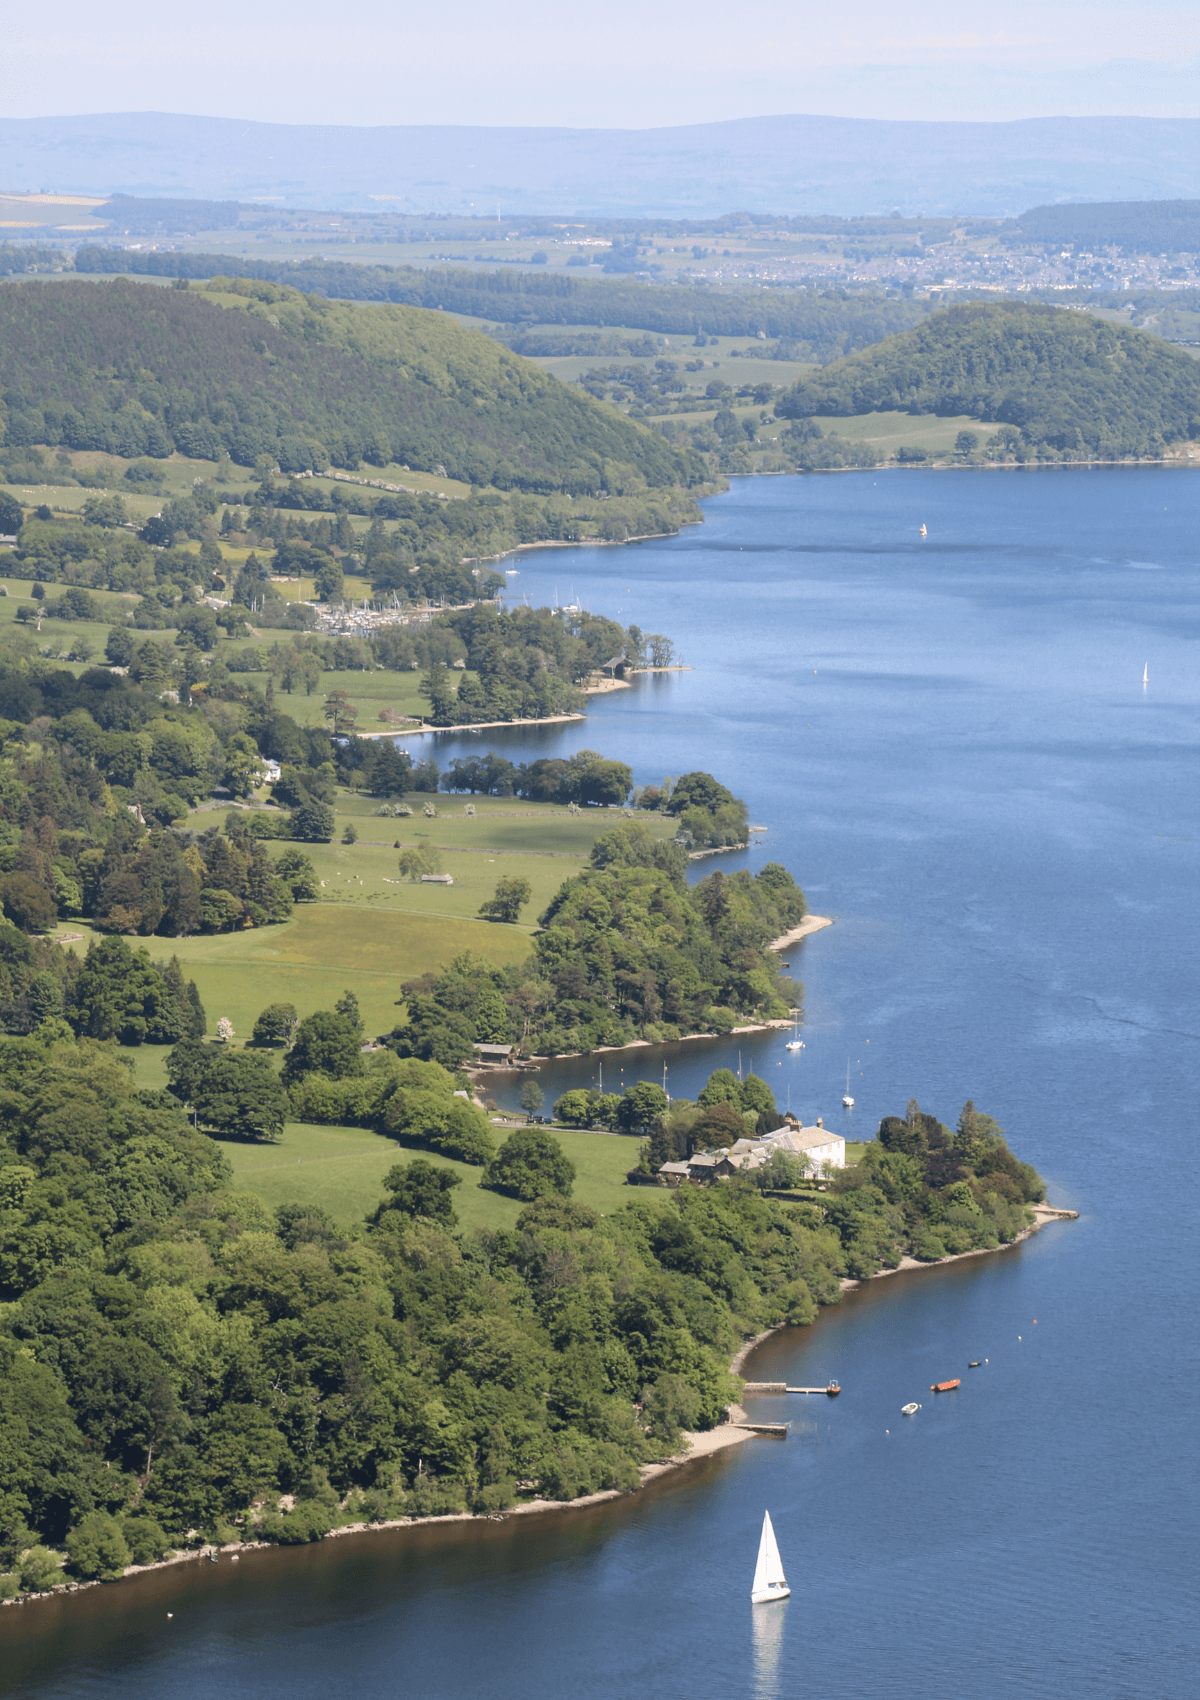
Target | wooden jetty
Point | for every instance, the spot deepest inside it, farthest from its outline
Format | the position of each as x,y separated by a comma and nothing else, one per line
778,1431
767,1389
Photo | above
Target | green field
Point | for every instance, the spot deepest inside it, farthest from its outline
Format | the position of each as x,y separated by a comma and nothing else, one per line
722,359
370,931
892,431
309,960
369,693
342,1170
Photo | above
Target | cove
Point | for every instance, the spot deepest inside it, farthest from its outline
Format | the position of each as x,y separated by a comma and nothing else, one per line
949,742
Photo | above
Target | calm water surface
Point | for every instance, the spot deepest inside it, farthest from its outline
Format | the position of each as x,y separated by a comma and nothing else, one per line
951,747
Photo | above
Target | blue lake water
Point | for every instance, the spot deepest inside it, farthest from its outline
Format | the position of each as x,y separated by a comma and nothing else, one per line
950,745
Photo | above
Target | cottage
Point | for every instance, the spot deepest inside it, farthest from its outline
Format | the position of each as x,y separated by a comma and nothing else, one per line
674,1173
437,879
710,1166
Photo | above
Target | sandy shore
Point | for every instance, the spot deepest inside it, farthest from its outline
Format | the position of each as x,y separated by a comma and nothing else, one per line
648,1044
810,924
476,726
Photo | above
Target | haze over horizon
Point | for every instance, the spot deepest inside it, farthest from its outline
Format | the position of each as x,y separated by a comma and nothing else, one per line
658,65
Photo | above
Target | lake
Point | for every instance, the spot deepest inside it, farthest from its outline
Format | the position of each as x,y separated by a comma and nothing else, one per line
950,745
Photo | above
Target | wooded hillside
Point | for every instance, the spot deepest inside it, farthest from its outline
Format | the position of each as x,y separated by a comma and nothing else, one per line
1069,384
139,370
829,324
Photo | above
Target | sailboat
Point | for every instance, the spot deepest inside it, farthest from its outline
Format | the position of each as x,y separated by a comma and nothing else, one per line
769,1581
847,1100
1145,675
795,1043
924,533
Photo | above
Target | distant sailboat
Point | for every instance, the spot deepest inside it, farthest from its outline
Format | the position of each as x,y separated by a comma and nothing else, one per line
924,533
1145,675
769,1581
847,1100
795,1043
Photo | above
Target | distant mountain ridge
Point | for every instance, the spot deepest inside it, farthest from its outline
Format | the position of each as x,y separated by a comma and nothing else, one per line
787,164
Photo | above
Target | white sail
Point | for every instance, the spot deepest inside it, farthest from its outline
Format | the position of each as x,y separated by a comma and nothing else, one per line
769,1581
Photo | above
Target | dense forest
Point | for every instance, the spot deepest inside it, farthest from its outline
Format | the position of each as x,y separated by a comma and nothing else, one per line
179,1363
136,370
1058,383
831,323
1137,227
96,777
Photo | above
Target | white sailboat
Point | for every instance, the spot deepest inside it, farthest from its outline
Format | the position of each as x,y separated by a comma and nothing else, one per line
1146,675
847,1100
769,1581
924,532
795,1043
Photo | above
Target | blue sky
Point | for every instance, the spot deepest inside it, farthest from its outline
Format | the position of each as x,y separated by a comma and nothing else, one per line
629,64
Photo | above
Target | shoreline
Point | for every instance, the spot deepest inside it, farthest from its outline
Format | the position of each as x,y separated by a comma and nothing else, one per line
1042,1214
585,542
600,689
810,924
649,1044
700,1444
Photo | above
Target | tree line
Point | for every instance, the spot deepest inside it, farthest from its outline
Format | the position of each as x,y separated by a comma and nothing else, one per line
537,298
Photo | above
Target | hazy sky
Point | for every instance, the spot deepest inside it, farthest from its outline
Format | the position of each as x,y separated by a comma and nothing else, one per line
627,63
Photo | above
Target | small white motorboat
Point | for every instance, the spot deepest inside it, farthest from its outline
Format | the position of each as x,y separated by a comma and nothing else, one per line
909,1410
769,1581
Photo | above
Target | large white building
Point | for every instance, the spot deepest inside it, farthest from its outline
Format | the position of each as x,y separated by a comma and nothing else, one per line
824,1151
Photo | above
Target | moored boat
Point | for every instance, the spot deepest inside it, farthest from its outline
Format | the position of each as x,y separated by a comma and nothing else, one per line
909,1410
833,1389
946,1386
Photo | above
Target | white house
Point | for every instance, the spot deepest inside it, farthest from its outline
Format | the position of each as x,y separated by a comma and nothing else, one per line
824,1149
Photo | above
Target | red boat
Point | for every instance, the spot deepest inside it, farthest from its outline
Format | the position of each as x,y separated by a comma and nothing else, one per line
833,1390
946,1386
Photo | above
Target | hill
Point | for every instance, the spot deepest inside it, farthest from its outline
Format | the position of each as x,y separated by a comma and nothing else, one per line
1068,383
134,370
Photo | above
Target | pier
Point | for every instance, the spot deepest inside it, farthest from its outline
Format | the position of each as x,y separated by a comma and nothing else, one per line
767,1389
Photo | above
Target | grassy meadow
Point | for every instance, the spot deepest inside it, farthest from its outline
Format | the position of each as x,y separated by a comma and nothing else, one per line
371,935
888,432
341,1169
371,931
